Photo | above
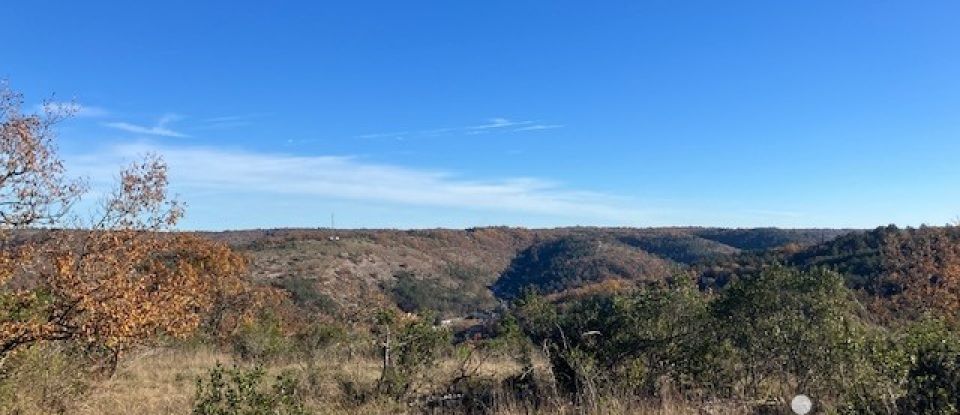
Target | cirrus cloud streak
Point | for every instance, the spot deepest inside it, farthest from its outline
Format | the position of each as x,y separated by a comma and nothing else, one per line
207,169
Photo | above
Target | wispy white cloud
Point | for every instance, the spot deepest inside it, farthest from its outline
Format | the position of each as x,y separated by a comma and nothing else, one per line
394,134
536,127
490,126
73,108
494,123
159,129
228,121
205,169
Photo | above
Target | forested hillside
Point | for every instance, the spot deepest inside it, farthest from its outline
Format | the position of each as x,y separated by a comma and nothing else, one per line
350,272
767,238
858,256
572,262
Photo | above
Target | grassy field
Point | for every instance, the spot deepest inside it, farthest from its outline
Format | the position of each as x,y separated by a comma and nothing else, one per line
163,381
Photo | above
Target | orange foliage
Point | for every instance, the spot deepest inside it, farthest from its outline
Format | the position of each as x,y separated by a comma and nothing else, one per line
923,269
611,286
115,281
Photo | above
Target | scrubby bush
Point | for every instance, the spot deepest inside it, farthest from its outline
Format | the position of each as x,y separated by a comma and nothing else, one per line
304,293
240,391
933,383
790,330
628,342
42,379
414,294
261,339
312,339
409,346
775,334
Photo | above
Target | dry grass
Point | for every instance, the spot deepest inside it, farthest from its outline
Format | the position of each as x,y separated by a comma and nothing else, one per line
160,381
163,381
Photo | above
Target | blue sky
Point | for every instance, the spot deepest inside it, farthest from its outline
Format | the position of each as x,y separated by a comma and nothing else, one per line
549,113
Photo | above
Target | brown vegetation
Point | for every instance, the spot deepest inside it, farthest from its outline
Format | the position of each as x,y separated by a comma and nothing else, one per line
108,283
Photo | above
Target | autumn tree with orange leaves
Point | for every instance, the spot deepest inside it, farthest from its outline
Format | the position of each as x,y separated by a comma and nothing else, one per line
107,283
922,268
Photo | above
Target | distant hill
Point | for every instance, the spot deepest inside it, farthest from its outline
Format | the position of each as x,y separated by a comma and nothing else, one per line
573,261
857,255
897,273
757,239
677,246
352,272
361,270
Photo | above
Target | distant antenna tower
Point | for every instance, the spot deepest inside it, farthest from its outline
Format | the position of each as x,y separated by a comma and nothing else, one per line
333,225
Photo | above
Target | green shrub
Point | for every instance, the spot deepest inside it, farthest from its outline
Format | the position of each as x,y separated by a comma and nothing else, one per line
409,348
933,383
628,342
779,332
414,294
241,392
875,380
317,336
932,379
789,330
304,293
261,339
43,379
